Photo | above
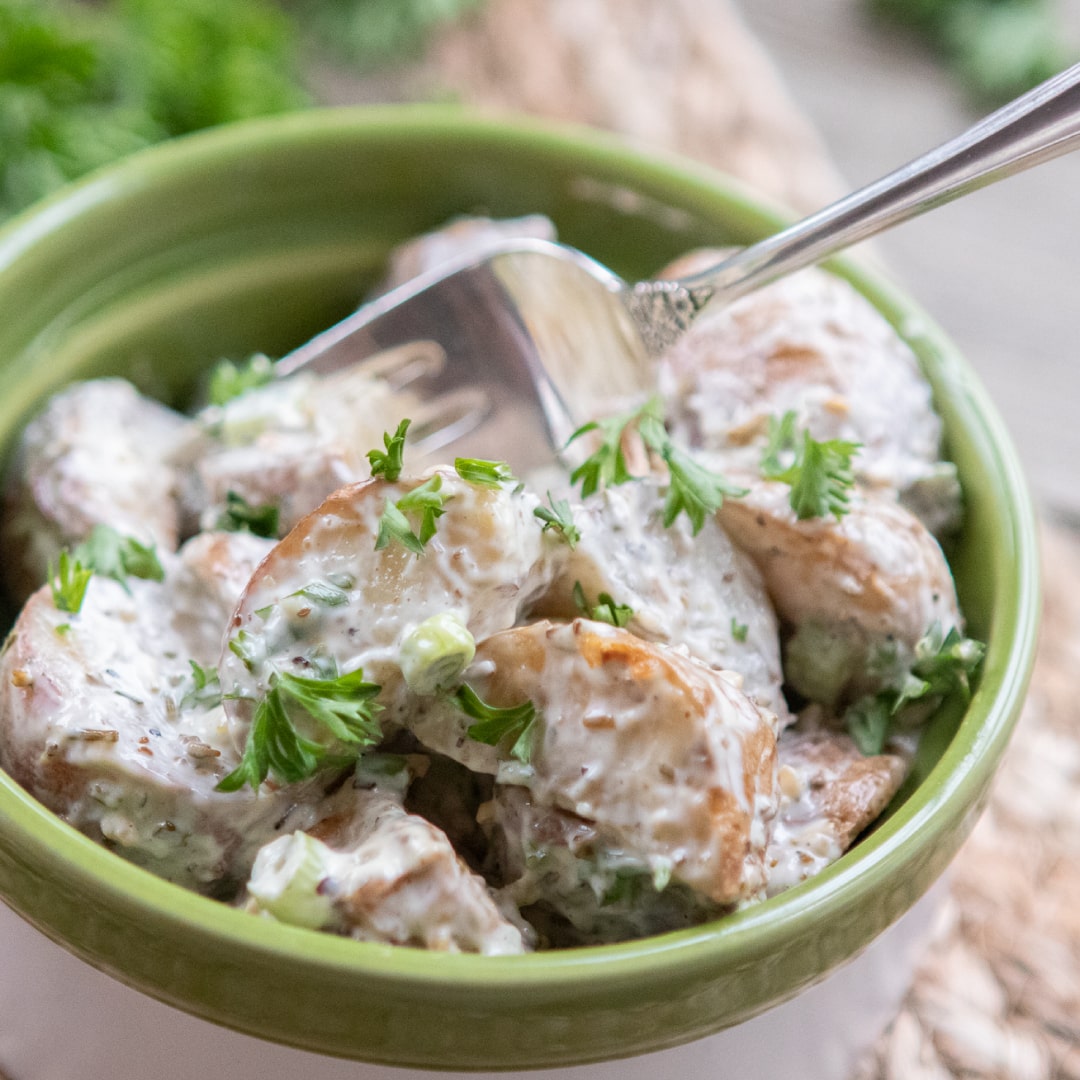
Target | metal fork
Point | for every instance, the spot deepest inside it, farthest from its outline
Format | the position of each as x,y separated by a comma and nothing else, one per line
522,344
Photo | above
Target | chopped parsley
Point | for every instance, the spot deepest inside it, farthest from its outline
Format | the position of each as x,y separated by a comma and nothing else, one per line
943,665
229,380
484,473
996,49
111,554
605,466
739,630
604,610
240,516
515,724
819,473
426,501
342,708
68,582
323,592
247,647
104,552
692,488
205,691
387,463
559,517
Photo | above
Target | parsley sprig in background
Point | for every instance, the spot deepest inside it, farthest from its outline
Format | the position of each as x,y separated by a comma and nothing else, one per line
83,83
996,49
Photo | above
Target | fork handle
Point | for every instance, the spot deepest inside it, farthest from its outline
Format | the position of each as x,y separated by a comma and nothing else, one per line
1038,126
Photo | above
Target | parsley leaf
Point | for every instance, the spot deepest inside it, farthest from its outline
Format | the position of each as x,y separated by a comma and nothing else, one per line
110,554
868,722
559,518
249,648
206,689
239,515
605,609
68,583
783,441
387,464
819,473
692,489
495,725
484,473
426,500
229,380
606,466
323,592
343,707
739,630
943,664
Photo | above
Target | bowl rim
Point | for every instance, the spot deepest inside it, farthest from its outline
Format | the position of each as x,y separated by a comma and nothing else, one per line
949,796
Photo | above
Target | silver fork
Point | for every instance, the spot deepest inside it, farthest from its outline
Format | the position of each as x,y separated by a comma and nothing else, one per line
520,345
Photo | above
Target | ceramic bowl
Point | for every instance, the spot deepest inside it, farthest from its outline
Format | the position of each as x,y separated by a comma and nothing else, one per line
254,237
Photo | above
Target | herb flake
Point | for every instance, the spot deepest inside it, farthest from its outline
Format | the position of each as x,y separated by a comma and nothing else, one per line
425,501
388,462
484,473
943,664
110,554
819,474
241,516
341,707
558,516
205,691
605,466
604,610
68,583
692,488
229,380
515,725
324,593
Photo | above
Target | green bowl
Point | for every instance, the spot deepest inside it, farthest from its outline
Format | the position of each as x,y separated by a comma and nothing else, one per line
252,238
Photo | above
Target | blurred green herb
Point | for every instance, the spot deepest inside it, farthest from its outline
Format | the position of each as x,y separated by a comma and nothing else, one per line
516,724
368,33
68,582
83,83
997,48
229,380
943,664
389,462
111,554
239,515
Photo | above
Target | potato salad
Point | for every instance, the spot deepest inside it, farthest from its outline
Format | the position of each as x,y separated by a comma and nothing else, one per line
274,653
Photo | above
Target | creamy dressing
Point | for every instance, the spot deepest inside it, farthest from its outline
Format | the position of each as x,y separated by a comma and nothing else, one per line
700,593
667,781
812,344
95,455
287,444
487,560
97,727
664,754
